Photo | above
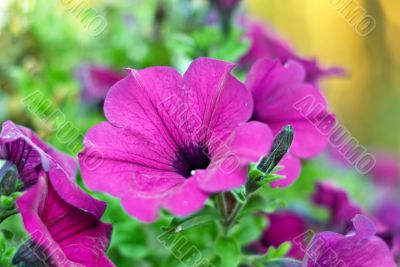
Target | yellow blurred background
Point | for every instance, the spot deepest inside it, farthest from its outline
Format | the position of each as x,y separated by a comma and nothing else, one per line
368,101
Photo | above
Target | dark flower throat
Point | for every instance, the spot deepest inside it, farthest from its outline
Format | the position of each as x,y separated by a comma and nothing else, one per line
191,158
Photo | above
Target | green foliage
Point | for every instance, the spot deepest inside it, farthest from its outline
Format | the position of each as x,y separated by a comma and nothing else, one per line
249,229
228,250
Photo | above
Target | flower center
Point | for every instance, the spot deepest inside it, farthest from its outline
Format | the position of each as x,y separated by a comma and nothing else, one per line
188,159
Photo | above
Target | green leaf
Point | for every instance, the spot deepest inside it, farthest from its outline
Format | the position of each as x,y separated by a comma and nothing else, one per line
249,229
273,257
240,194
257,203
254,172
231,49
179,225
228,250
278,252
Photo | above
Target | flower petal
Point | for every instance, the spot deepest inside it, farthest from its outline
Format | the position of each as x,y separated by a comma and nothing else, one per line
291,170
362,249
186,198
67,235
96,81
145,209
27,151
248,143
266,44
281,97
111,164
219,101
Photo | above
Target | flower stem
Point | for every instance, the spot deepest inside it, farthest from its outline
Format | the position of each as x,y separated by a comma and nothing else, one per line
233,216
221,204
228,218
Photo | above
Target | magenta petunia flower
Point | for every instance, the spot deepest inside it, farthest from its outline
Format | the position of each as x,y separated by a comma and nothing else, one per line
336,200
61,233
359,249
283,226
281,97
21,148
172,140
96,81
265,44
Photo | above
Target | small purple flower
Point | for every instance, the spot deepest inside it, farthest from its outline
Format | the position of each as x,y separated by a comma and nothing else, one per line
386,170
61,233
171,141
282,97
20,147
282,226
387,213
265,44
225,10
336,200
96,81
361,248
226,4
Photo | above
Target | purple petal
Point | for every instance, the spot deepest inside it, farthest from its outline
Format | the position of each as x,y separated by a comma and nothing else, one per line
67,235
96,81
186,198
265,44
218,99
27,151
361,249
342,210
386,170
281,98
284,226
291,170
144,208
249,142
117,167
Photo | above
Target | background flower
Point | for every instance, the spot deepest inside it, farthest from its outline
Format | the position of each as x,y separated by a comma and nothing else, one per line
278,91
361,248
96,81
266,44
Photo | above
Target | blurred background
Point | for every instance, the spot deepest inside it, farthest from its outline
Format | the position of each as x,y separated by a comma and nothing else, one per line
368,101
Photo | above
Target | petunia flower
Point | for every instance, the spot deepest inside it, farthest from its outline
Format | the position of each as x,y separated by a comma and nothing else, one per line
61,234
361,248
283,226
386,212
265,44
282,97
172,140
386,170
336,200
96,81
21,148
